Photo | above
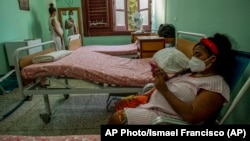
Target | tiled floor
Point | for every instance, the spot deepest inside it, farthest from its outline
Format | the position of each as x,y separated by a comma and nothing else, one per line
79,114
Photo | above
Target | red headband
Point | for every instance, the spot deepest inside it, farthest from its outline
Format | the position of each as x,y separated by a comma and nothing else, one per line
210,45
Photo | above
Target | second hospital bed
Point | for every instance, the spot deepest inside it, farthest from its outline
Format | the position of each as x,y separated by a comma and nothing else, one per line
128,50
105,73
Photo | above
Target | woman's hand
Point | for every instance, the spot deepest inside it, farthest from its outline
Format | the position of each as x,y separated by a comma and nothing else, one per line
160,79
156,70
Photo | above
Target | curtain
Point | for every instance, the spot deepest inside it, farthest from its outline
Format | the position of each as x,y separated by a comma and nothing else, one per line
158,14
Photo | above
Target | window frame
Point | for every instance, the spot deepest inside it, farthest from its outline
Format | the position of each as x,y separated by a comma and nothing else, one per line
110,28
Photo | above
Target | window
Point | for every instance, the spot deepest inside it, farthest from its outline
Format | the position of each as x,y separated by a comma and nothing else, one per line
114,17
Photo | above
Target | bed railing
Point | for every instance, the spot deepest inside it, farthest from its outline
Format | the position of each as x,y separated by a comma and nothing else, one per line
191,33
178,33
17,65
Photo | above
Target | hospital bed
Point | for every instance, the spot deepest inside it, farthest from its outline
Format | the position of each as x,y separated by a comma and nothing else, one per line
103,73
128,50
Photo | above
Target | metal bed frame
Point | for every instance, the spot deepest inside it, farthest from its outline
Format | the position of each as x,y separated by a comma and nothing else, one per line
36,89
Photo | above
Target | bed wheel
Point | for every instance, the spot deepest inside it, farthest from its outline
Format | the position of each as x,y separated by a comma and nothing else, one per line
66,96
28,97
45,117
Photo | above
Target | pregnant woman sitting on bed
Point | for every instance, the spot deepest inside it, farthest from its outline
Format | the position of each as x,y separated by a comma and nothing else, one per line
194,96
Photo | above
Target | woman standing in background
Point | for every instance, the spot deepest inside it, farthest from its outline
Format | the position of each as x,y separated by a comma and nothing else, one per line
71,24
55,28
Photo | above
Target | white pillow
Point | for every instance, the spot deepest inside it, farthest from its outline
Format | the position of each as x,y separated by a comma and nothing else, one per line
171,60
50,57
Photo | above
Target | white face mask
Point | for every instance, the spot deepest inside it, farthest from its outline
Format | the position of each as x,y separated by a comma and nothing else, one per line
197,65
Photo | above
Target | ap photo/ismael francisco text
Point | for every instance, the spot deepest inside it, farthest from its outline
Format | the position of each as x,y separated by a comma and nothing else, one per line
112,132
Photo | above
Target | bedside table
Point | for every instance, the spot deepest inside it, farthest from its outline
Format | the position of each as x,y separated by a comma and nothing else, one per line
134,35
148,45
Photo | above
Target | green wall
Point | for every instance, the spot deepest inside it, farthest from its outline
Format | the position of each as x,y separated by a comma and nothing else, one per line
18,24
210,16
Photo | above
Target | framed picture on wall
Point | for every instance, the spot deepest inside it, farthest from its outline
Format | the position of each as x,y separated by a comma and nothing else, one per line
24,5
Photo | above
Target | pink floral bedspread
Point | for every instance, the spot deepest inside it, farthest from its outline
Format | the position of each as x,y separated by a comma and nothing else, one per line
51,138
117,50
96,67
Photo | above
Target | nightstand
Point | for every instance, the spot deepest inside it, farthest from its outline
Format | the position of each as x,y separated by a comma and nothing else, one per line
134,35
148,45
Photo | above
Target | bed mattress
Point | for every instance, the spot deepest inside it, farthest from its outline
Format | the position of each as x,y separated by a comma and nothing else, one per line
117,50
94,66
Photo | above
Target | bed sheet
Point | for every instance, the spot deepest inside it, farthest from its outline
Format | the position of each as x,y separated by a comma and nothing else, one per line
128,49
96,67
